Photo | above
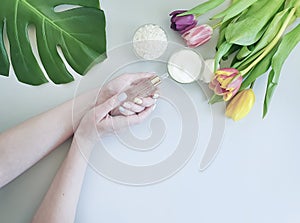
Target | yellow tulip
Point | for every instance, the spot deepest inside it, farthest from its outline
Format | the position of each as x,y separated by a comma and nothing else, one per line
240,105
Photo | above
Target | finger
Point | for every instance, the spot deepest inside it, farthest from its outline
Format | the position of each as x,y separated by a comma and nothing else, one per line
145,102
125,111
127,108
130,78
103,109
127,79
155,95
118,122
138,118
115,112
131,106
124,81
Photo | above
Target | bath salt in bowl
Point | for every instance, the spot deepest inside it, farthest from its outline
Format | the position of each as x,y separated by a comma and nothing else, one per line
150,41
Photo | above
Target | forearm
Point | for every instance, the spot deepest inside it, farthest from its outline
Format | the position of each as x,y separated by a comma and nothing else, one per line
60,202
24,145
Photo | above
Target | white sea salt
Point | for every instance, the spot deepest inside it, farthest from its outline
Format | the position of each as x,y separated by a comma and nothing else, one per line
150,41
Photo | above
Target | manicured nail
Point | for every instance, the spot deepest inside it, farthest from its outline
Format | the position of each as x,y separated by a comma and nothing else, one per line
153,108
155,96
127,105
138,101
121,109
122,96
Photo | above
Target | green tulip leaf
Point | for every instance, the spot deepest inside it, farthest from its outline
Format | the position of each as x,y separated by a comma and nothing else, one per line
243,53
242,64
261,68
215,99
203,8
4,62
221,37
267,37
232,50
272,30
222,31
292,3
223,49
289,41
250,27
234,9
79,32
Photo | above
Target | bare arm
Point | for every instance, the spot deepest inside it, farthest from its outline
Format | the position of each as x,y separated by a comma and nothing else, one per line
60,202
24,145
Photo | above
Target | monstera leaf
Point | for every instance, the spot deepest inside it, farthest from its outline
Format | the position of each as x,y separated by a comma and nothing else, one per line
79,32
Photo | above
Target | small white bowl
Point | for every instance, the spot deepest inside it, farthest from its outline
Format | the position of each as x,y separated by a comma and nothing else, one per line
150,41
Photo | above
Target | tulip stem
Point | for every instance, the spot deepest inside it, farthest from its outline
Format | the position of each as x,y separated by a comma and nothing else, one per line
252,84
217,25
272,44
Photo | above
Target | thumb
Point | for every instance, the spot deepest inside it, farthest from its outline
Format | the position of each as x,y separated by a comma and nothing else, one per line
103,109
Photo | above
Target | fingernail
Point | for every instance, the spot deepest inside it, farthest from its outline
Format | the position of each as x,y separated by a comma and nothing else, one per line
121,109
153,108
127,105
138,101
122,96
155,96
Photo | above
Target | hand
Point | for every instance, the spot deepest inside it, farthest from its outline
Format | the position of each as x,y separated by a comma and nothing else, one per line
113,110
93,121
123,83
98,122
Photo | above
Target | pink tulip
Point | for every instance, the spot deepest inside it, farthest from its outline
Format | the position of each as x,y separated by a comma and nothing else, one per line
198,35
226,82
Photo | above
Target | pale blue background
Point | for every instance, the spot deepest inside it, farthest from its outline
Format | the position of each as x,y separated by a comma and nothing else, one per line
254,179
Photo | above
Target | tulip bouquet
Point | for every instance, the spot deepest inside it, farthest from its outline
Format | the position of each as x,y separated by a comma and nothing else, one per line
257,35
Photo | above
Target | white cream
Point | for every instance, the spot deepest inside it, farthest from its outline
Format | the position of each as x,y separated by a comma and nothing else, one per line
185,66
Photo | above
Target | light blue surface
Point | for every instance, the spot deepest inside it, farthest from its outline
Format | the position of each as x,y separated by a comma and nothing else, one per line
254,179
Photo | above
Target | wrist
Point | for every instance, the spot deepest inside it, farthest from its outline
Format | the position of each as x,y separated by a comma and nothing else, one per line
82,104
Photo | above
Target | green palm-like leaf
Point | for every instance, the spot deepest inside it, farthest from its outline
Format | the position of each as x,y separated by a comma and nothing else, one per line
79,32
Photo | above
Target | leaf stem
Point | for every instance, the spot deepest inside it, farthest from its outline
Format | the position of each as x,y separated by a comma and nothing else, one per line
272,44
217,25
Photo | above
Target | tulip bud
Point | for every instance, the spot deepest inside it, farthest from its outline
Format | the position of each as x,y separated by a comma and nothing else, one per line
226,82
197,35
182,23
240,105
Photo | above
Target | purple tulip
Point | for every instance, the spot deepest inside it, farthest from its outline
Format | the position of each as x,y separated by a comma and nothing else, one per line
182,23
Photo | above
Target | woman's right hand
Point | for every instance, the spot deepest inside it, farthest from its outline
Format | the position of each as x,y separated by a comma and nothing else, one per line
107,116
122,84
